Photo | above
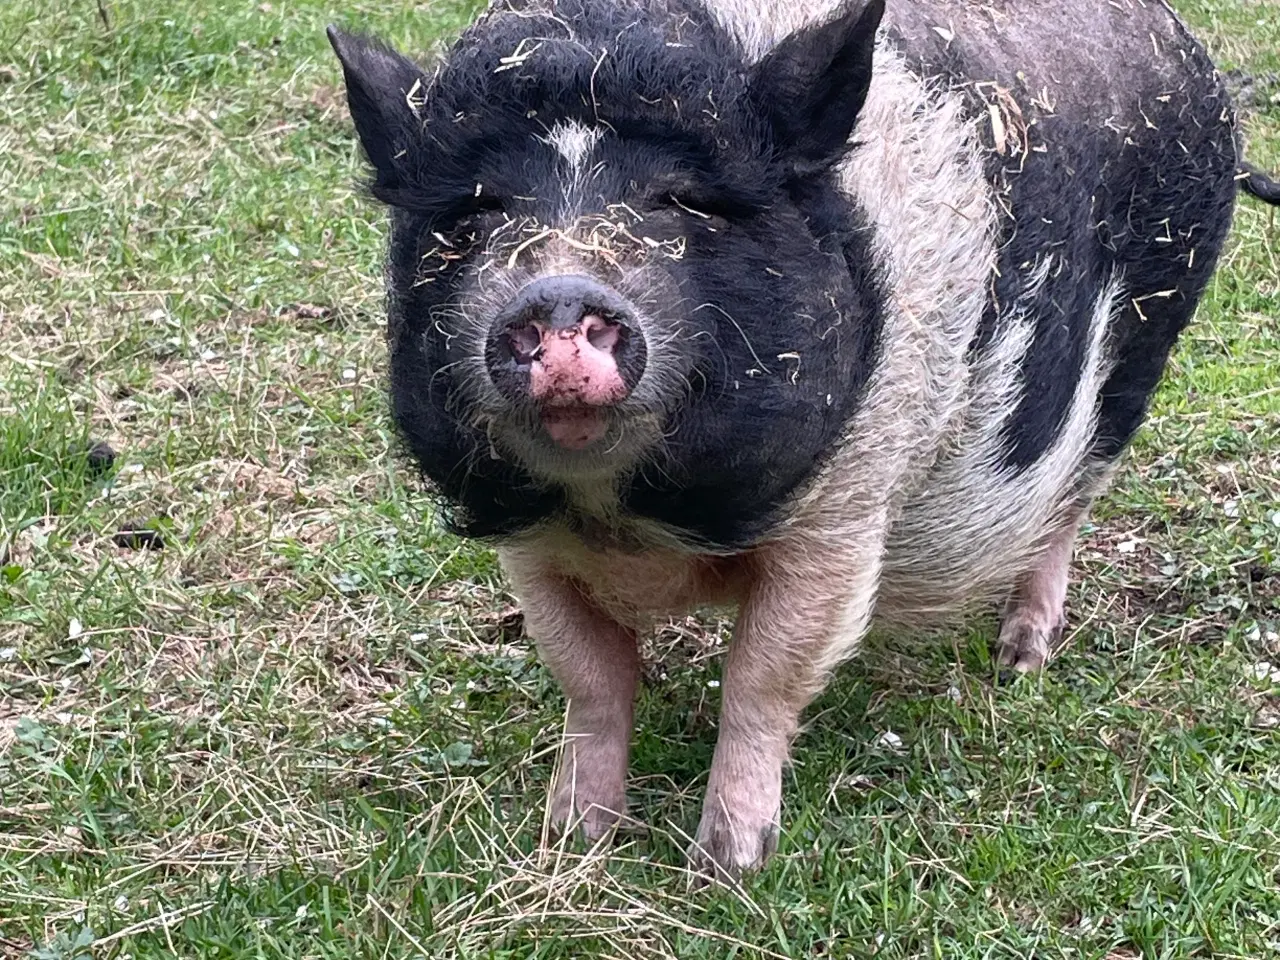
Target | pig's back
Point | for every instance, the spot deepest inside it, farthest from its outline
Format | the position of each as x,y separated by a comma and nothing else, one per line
1084,53
1110,148
1090,59
1107,146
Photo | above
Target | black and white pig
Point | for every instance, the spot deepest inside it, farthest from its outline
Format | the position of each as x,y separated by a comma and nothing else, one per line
833,315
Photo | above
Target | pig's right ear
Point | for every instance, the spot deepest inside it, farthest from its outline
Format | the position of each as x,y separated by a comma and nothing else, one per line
811,86
379,81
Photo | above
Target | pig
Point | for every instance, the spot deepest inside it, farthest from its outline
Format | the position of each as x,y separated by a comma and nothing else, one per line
834,316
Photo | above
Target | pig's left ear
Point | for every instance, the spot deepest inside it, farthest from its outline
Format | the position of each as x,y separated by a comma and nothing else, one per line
812,85
379,82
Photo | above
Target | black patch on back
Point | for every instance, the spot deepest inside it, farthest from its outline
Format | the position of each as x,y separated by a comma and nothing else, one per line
1053,220
1099,197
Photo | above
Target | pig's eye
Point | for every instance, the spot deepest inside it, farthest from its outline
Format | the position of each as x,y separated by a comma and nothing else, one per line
471,210
700,208
486,203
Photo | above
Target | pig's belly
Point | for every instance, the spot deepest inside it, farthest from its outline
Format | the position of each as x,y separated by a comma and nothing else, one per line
937,564
925,579
637,587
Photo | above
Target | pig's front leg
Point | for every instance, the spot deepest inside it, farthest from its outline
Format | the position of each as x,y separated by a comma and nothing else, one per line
807,609
597,663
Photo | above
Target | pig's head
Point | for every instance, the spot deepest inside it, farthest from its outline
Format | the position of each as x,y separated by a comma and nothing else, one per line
622,279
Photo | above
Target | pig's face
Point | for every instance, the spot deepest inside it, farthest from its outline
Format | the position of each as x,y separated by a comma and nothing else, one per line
619,269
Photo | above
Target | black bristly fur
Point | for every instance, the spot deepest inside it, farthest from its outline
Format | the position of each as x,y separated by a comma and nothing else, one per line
379,82
1147,198
746,437
482,116
814,83
779,295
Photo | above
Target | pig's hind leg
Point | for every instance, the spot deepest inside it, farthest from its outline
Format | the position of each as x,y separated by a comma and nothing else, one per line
596,662
1035,615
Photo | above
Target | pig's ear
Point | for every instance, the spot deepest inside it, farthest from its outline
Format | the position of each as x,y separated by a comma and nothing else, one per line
812,85
379,82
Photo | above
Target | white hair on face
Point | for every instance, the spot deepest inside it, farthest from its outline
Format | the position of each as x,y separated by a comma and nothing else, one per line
573,141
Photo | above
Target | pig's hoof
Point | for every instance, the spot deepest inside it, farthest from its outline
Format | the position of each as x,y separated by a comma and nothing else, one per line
590,819
727,848
1026,643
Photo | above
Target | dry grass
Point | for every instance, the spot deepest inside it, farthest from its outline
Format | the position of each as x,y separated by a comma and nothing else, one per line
309,726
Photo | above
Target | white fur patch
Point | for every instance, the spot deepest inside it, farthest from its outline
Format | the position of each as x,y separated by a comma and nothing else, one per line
574,142
976,525
760,24
918,175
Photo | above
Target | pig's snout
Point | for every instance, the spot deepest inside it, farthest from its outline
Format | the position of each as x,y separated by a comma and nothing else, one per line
572,347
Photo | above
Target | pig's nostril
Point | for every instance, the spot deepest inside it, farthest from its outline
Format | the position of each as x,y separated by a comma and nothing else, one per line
565,342
526,343
602,334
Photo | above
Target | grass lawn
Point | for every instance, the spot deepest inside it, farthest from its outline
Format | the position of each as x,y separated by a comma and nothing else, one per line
253,703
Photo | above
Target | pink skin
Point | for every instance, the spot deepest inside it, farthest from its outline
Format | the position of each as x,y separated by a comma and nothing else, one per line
1035,616
573,377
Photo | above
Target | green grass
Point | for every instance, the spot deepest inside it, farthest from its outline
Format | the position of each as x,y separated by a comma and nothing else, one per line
308,726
